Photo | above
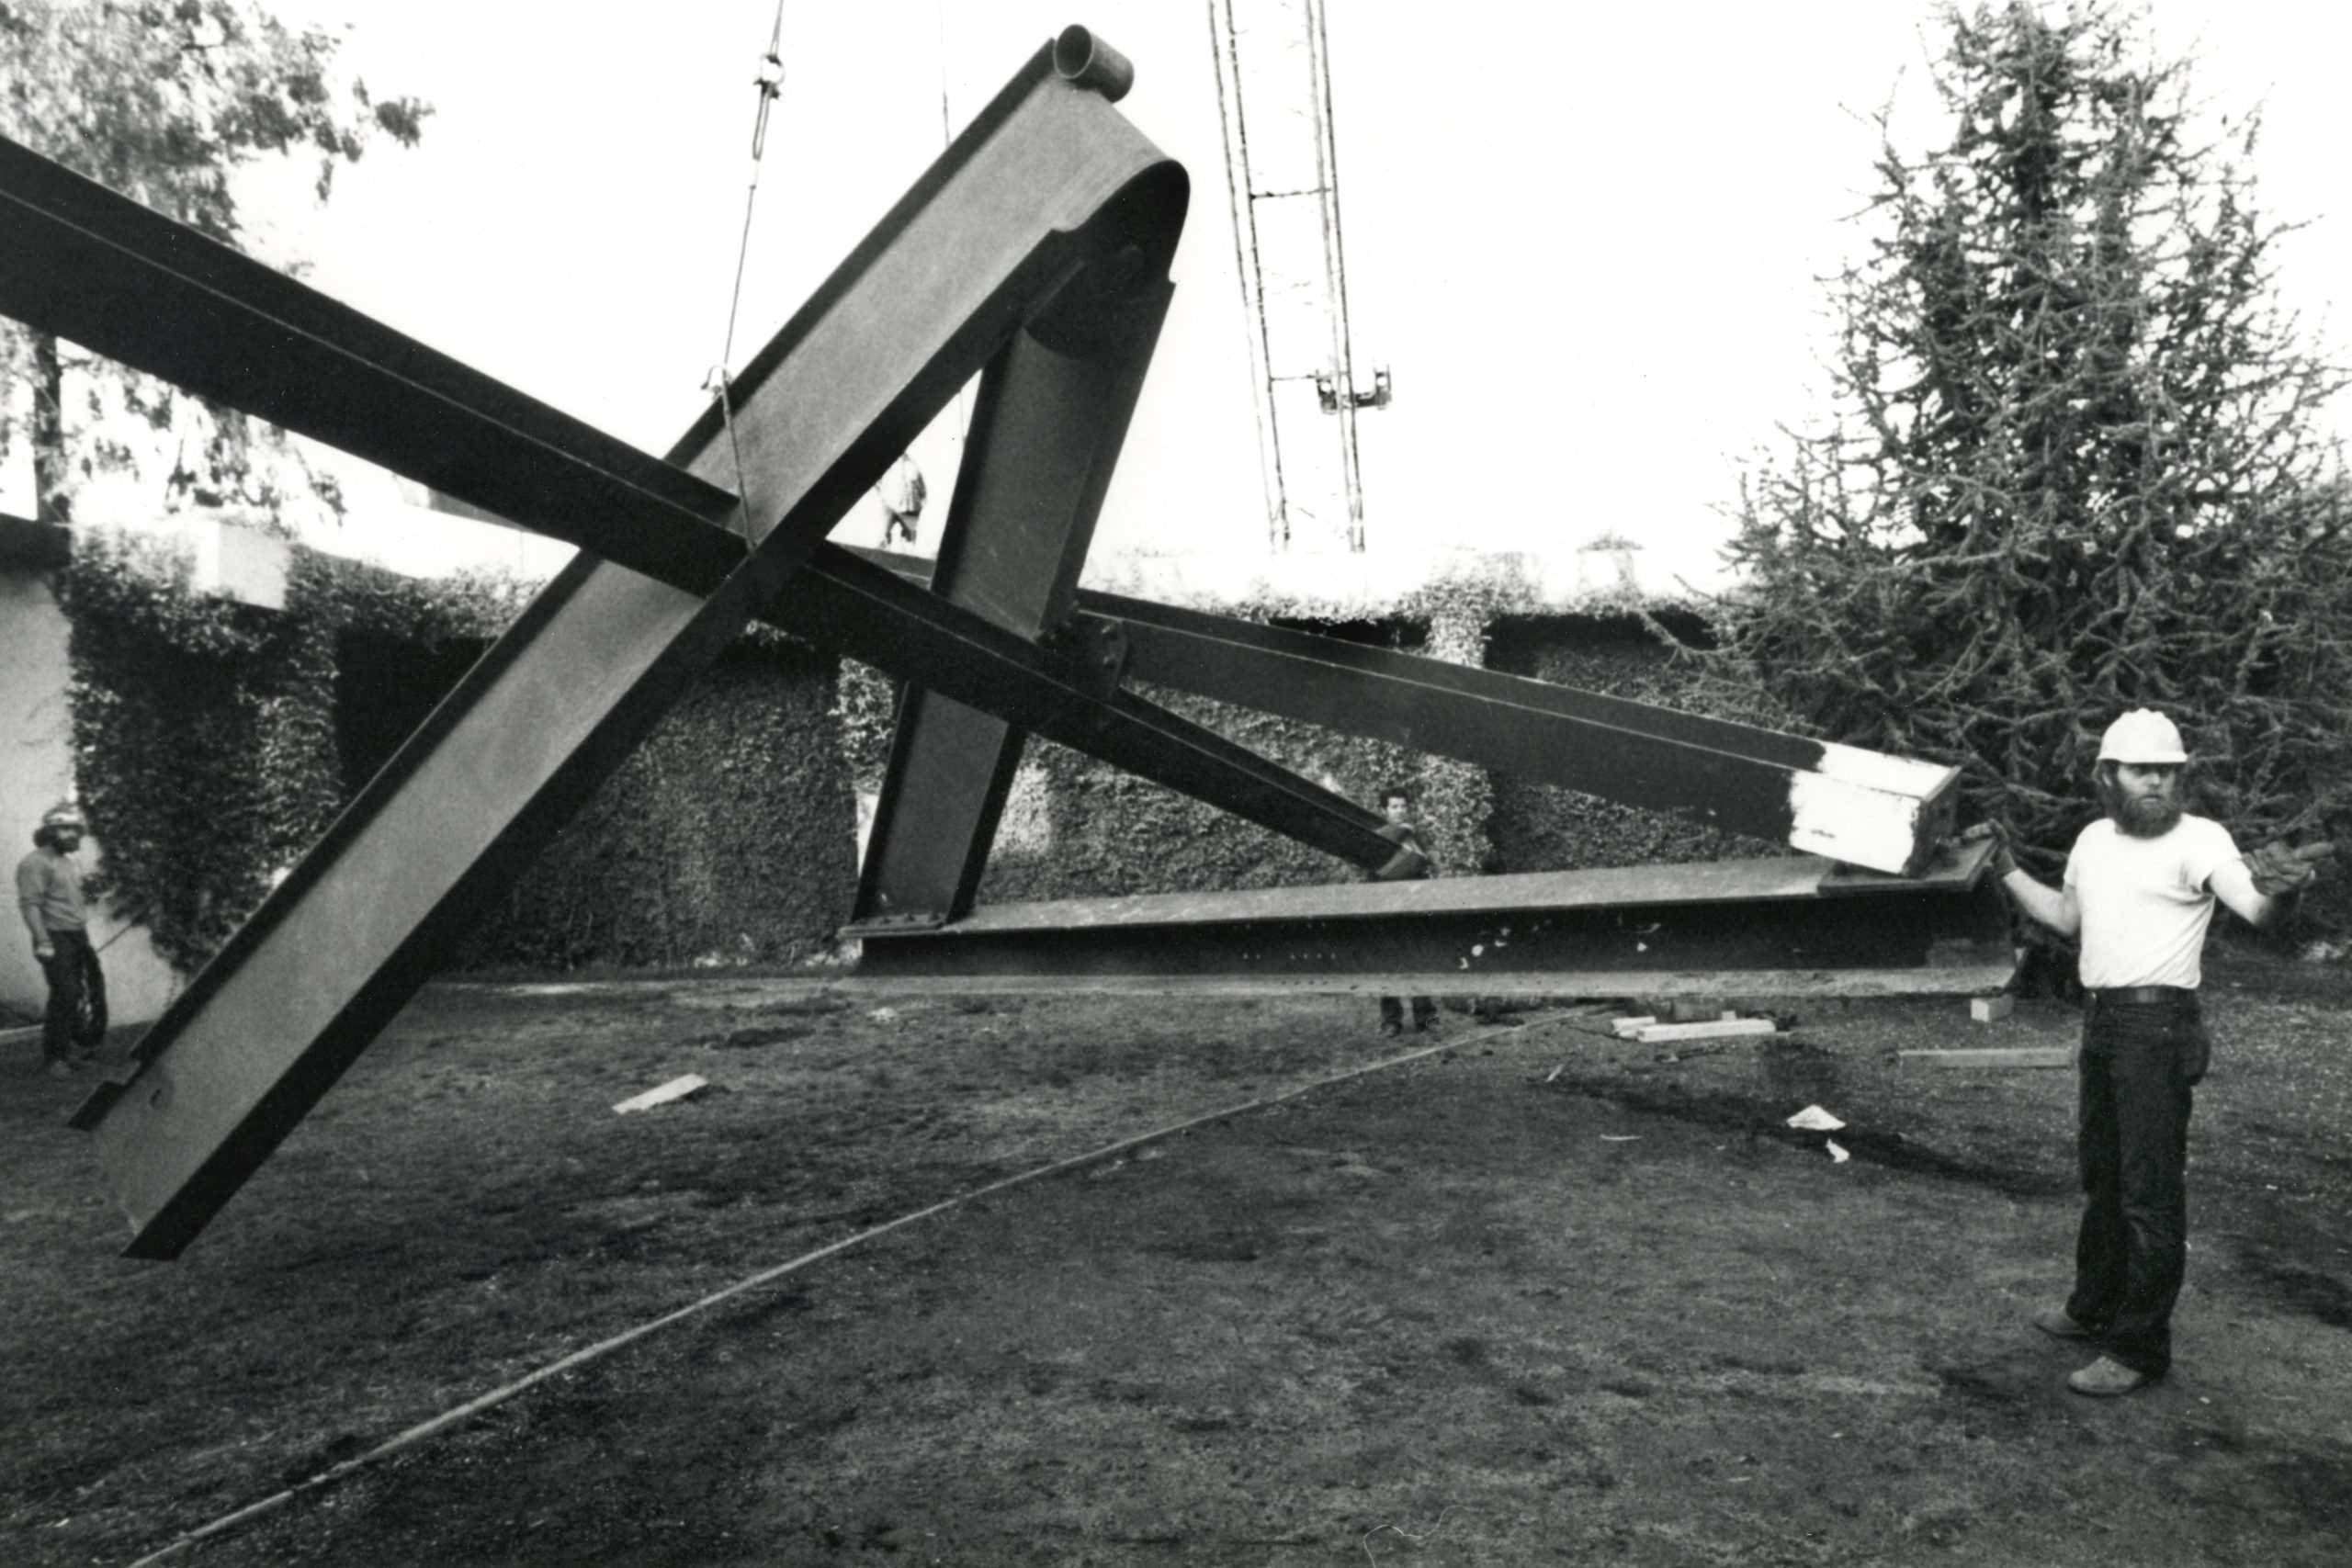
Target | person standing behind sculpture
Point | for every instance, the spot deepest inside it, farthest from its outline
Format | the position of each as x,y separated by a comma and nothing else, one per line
903,493
48,896
1396,806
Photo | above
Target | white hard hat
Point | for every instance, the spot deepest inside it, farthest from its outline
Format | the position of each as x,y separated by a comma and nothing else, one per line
2144,738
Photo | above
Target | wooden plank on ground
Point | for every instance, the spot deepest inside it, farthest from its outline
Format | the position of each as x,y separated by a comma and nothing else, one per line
1712,1029
676,1088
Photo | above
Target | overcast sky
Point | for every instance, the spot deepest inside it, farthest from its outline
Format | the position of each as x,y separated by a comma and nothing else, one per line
1585,237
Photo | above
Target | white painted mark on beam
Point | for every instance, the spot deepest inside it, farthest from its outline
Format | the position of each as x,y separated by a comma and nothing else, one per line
1851,822
1863,806
1877,769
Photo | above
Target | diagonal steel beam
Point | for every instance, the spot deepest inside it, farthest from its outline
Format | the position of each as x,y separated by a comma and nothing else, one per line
1048,182
1862,807
87,264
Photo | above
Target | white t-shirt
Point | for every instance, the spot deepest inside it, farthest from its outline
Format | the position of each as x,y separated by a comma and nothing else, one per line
2146,902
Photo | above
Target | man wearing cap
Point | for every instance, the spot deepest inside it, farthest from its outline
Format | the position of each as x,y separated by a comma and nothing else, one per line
2139,890
49,894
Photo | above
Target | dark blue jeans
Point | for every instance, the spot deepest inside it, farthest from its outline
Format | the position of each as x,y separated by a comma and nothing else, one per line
2140,1063
77,997
1391,1012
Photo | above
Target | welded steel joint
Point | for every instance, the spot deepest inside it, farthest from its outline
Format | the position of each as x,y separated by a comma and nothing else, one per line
1095,652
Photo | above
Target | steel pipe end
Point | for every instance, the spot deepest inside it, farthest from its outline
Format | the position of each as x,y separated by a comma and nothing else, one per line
1085,60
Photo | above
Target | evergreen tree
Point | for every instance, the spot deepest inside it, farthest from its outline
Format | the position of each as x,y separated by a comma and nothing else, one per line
2072,469
164,101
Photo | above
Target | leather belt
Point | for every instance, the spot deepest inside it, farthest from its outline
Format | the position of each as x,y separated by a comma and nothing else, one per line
2143,995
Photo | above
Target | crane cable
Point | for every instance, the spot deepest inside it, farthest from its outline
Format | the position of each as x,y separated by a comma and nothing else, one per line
769,84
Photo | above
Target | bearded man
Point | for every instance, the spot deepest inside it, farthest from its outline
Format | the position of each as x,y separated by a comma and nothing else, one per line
2140,888
48,896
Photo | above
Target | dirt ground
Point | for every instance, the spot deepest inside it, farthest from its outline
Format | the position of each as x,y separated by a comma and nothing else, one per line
1544,1296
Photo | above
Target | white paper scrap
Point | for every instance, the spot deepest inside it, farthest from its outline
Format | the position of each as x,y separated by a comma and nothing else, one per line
1813,1118
1837,1155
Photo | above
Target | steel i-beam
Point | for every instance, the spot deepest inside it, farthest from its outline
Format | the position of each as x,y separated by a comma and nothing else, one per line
1791,927
1862,807
1049,182
1053,411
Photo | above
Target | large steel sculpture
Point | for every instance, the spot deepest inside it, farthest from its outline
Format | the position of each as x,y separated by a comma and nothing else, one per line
1036,253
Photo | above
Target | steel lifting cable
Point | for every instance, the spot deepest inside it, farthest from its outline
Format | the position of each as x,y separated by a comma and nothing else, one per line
769,84
603,1348
947,140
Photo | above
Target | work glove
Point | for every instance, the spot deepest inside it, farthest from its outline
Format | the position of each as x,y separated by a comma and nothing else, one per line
2004,862
2279,870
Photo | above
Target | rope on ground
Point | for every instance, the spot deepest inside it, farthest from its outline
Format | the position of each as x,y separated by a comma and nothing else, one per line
1400,1530
603,1348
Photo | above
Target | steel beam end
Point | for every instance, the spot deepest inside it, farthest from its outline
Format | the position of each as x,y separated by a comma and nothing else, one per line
1085,60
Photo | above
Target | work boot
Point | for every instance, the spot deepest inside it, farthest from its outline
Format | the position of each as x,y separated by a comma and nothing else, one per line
2105,1378
2059,1324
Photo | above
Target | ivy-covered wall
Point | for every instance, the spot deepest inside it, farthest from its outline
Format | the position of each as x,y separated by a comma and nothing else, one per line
1078,829
726,837
1538,827
204,728
214,741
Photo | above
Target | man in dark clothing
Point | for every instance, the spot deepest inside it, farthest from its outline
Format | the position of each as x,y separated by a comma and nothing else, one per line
48,896
1396,806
